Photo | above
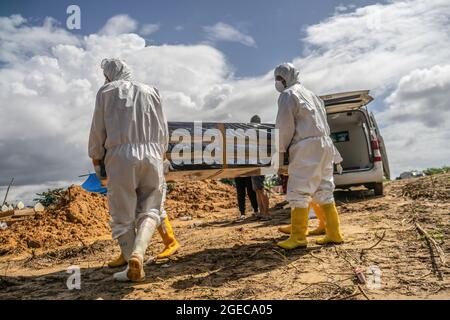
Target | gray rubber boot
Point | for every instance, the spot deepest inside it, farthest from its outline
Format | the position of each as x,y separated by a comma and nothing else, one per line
126,243
144,234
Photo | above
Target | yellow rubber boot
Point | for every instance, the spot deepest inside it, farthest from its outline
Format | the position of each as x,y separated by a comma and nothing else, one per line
285,229
171,244
118,262
299,225
320,230
333,233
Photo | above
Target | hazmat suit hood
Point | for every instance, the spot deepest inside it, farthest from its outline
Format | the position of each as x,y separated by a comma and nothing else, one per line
289,73
116,69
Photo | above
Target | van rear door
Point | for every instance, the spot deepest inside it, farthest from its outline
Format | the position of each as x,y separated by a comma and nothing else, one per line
345,101
386,169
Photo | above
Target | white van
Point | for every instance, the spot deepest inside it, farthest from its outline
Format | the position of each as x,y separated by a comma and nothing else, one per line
356,135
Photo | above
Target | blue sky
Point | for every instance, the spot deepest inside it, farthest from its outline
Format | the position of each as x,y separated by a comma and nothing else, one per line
276,26
213,61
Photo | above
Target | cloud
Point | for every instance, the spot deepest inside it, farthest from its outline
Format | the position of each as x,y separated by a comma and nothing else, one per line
375,46
27,193
148,29
399,50
225,32
118,25
417,119
51,89
422,97
20,40
343,8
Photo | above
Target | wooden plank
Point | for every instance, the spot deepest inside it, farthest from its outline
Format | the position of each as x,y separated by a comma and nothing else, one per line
24,213
6,214
215,173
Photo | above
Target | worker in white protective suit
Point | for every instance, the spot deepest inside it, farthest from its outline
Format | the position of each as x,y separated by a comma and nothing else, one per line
320,229
304,133
129,131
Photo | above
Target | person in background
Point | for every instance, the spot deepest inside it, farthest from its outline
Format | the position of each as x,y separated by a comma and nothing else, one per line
258,187
243,187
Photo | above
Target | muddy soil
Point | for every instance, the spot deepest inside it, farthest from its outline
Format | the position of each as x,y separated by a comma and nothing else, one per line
222,258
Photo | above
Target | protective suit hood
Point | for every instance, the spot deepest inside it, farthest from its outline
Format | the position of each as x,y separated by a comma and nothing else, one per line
116,69
289,73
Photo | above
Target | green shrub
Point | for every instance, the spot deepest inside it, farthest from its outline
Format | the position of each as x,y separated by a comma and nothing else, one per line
433,171
49,197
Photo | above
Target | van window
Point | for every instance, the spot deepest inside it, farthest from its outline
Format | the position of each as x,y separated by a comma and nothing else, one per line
351,135
342,136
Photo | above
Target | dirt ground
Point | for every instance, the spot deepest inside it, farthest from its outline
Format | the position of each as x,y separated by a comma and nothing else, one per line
222,258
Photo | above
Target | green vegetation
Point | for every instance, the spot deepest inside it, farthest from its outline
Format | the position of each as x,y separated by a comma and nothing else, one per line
433,171
375,218
272,181
228,181
170,186
49,197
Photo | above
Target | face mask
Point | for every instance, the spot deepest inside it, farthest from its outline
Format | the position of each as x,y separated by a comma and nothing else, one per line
279,86
106,79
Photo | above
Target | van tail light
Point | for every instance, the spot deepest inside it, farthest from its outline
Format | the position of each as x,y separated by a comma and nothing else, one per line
376,150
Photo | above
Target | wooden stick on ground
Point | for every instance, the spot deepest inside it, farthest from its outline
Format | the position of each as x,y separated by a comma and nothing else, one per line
373,246
432,241
363,292
7,191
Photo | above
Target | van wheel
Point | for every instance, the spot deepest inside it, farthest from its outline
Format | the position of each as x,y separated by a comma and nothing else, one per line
378,189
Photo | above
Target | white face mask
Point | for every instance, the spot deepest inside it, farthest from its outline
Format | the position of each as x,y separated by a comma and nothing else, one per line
279,86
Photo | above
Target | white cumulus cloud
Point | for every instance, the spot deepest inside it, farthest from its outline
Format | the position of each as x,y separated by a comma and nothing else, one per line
49,77
118,25
225,32
148,29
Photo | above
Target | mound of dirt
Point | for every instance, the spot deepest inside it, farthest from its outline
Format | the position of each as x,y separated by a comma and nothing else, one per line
432,188
199,198
77,215
80,215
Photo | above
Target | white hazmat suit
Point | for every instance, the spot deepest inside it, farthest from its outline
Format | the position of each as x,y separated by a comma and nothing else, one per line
304,133
129,131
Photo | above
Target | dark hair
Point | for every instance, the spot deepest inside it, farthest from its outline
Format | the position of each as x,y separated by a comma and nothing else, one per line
255,119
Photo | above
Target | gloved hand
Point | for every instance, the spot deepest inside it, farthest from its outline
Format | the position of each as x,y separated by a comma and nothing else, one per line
167,166
98,171
339,168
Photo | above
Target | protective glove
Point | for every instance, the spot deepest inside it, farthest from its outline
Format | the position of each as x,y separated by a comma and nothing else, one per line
339,168
167,166
98,171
